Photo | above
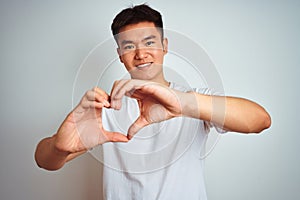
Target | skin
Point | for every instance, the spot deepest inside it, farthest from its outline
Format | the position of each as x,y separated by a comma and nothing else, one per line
141,49
140,44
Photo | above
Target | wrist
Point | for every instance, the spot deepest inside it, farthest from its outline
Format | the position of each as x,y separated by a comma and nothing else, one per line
189,105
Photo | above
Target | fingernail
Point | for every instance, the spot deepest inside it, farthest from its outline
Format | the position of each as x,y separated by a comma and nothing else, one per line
106,103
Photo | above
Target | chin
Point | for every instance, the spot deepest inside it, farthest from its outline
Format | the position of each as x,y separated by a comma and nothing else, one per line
140,76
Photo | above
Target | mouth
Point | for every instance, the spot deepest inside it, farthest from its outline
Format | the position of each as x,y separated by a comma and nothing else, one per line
144,65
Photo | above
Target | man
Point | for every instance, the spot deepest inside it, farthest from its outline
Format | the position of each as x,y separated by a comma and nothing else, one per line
145,104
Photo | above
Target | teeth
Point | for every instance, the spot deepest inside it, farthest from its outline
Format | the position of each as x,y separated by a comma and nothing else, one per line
144,65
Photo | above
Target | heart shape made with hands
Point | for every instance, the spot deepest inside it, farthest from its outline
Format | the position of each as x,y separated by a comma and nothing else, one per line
83,128
156,102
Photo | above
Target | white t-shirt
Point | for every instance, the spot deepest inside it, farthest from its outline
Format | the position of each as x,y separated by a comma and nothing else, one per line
162,161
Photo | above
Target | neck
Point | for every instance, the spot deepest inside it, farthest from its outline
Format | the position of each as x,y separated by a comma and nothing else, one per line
157,79
160,78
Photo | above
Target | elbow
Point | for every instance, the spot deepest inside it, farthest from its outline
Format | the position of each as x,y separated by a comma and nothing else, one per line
267,121
44,160
47,166
263,122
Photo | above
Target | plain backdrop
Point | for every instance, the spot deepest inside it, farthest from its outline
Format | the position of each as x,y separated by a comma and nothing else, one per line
255,46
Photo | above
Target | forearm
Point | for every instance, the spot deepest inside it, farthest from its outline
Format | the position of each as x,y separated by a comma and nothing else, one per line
231,113
47,156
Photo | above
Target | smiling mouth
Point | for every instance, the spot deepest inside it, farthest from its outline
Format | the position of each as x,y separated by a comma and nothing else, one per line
144,65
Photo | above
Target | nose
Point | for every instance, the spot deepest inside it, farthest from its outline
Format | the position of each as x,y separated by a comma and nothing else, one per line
141,53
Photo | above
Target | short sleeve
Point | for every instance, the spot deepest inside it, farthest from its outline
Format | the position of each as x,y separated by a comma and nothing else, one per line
208,91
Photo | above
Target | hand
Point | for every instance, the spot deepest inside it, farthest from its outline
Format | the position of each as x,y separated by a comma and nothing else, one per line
83,129
156,102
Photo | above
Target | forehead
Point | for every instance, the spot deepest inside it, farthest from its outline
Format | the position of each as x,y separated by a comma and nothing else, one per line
138,32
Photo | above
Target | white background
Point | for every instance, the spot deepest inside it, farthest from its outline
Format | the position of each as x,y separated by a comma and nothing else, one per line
254,44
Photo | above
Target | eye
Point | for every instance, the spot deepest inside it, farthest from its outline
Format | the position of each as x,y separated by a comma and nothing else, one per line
128,47
150,43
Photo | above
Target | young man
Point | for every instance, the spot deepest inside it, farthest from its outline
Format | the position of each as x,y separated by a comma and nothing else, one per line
158,111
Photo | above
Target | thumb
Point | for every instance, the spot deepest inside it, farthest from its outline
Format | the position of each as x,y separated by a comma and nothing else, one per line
116,137
136,126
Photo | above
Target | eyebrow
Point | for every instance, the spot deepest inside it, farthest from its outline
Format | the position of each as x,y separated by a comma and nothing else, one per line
124,42
149,38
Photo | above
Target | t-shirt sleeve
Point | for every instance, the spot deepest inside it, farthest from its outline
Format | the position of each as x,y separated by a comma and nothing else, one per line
208,91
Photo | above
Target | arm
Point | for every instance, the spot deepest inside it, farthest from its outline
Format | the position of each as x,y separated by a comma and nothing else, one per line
231,113
49,157
81,130
158,102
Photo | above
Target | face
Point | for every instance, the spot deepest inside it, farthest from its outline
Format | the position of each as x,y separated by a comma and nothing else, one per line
141,49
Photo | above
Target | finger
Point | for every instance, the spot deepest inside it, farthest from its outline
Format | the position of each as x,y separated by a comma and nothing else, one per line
136,126
116,86
87,105
101,92
126,87
116,137
94,96
138,89
96,105
116,93
137,94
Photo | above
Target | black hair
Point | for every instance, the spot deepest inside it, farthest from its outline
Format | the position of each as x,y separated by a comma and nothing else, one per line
134,15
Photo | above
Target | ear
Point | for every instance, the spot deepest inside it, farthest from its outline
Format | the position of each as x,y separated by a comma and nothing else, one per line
165,46
120,55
